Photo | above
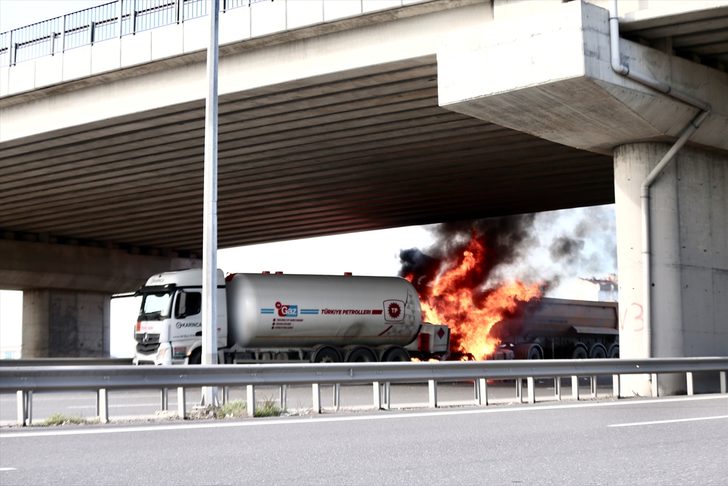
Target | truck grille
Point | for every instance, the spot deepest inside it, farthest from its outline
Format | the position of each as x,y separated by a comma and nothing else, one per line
147,343
147,348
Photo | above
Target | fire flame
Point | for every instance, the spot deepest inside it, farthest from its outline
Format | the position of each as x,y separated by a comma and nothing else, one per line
472,312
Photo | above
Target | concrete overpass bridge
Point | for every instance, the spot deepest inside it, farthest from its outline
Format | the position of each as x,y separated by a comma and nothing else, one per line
341,116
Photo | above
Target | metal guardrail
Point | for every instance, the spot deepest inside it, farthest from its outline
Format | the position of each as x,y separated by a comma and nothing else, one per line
103,22
25,380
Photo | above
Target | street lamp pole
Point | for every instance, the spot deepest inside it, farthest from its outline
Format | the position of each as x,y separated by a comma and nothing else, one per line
209,219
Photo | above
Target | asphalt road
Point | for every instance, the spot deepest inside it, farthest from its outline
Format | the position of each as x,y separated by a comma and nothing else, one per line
667,441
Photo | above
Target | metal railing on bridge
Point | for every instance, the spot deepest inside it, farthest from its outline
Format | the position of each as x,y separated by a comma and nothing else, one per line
103,22
25,380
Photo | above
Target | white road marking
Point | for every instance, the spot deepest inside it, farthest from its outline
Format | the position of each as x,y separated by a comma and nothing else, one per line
673,421
3,469
92,430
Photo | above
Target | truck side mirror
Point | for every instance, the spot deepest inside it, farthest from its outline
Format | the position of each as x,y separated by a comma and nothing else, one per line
181,310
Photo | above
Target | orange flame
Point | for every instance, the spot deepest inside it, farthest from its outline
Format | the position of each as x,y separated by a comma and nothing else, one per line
470,312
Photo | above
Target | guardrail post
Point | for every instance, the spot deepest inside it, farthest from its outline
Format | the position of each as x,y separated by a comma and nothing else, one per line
481,389
531,390
225,394
102,405
386,395
722,383
283,399
557,388
432,393
655,390
181,405
337,396
615,386
689,380
593,386
250,400
519,390
164,399
377,395
24,402
575,387
316,397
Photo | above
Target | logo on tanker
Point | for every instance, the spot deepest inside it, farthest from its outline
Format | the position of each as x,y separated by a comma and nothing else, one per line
393,310
287,310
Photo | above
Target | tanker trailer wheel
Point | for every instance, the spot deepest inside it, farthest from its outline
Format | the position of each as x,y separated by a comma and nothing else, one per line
598,351
579,352
325,354
360,354
613,351
395,353
535,352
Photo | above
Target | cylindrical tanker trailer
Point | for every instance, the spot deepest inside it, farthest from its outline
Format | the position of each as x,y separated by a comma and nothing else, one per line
277,317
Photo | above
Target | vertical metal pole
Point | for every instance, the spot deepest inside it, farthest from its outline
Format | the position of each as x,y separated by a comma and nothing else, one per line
385,394
120,16
689,379
29,407
575,387
164,399
250,400
316,397
519,390
133,16
432,393
209,230
655,390
593,385
20,407
377,395
722,383
557,388
615,386
63,35
531,390
482,391
284,396
102,405
337,396
181,405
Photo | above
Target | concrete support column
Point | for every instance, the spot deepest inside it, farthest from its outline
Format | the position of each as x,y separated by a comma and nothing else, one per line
65,323
689,228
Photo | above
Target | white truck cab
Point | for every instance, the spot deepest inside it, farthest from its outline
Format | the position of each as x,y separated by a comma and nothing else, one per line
169,326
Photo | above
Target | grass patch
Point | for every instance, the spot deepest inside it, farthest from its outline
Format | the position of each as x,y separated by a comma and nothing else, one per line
237,408
60,419
268,409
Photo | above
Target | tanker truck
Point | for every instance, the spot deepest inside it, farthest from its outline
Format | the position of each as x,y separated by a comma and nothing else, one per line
560,329
277,317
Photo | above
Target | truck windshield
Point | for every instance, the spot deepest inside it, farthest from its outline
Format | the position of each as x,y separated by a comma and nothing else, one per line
155,306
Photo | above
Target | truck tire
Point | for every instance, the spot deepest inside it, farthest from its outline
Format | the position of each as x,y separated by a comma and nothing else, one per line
195,357
360,354
613,351
535,352
579,352
325,354
598,351
395,354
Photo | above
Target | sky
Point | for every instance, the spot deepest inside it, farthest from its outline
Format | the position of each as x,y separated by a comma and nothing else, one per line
368,253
